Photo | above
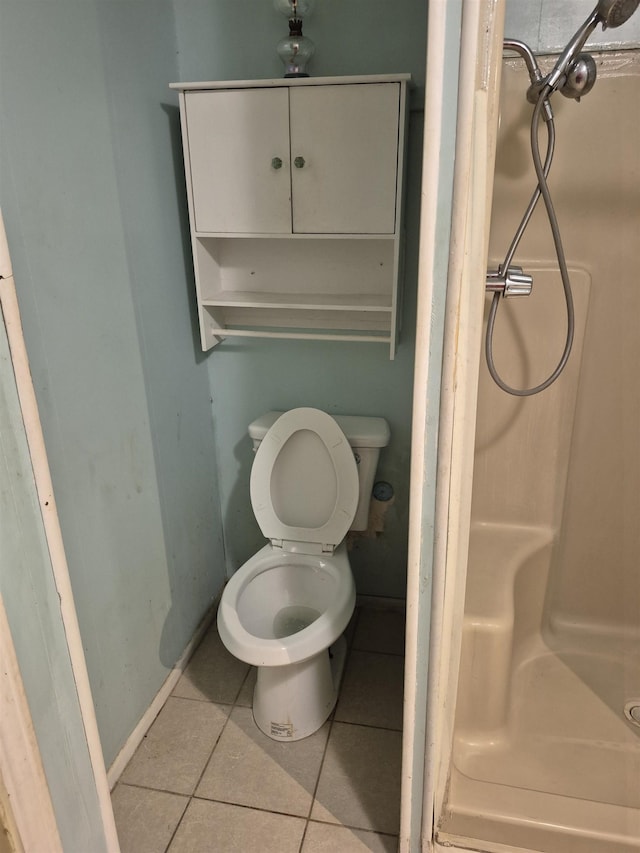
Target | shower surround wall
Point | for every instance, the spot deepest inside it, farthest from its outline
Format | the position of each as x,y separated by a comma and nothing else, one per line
543,756
546,26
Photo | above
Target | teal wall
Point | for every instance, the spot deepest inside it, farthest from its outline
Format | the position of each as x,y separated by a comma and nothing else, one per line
95,222
134,415
31,601
236,40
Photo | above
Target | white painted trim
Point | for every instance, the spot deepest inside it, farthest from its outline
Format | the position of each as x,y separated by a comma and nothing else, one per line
442,59
291,81
135,738
475,157
53,533
22,771
400,237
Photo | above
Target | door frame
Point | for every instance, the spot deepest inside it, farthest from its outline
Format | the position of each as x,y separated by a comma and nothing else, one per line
453,259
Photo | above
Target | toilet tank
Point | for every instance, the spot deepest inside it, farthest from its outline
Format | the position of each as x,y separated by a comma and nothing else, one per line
365,435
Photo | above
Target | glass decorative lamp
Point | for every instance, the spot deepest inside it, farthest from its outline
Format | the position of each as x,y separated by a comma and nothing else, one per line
295,50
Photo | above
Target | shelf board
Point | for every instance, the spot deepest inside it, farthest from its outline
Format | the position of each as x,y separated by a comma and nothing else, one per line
301,301
302,335
232,235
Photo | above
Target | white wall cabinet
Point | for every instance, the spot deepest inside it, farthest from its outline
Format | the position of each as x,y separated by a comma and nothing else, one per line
294,191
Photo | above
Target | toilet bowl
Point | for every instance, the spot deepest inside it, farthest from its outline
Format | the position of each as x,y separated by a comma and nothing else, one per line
285,613
285,610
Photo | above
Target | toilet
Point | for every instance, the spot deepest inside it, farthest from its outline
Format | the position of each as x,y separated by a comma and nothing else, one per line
285,610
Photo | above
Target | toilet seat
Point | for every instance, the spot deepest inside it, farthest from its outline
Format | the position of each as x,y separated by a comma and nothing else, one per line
304,483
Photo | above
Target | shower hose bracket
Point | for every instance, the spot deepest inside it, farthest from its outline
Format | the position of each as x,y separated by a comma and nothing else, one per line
513,282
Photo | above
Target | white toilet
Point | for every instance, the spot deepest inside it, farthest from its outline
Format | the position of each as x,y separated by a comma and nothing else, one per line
285,609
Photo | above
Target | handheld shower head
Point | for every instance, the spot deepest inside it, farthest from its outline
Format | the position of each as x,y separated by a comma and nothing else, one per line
573,75
614,13
609,13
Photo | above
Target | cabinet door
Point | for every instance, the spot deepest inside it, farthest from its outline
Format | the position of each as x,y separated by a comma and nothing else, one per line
347,137
234,138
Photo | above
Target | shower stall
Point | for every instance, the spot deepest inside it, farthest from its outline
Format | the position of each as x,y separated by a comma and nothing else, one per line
535,682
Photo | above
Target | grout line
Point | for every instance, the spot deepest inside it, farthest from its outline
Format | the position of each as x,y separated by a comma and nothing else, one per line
249,808
355,828
203,699
378,652
197,699
298,817
173,834
381,604
354,628
149,788
204,770
368,726
315,787
208,761
242,684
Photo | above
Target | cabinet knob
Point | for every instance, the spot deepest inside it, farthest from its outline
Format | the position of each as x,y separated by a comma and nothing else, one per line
298,162
276,163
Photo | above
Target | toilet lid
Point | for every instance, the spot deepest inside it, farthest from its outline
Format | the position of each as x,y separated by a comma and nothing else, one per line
304,482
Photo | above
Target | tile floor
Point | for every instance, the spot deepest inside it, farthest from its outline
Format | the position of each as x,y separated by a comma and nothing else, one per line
206,780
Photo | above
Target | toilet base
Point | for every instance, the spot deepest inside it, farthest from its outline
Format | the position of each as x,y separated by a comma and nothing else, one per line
292,702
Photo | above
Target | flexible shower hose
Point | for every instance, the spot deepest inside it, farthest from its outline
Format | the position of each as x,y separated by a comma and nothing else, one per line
542,172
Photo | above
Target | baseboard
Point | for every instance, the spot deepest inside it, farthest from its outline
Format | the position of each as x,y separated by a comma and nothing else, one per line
135,738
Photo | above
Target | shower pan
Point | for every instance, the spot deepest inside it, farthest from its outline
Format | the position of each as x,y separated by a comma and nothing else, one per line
540,679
